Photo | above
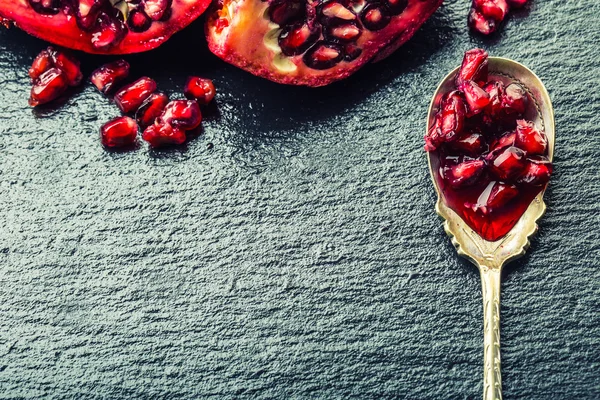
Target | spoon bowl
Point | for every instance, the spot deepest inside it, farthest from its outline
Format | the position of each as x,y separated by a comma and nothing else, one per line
491,256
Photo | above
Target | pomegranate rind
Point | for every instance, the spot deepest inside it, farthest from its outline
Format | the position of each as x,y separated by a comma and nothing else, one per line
242,44
62,29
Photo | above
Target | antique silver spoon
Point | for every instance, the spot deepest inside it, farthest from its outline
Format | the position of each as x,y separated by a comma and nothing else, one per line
488,256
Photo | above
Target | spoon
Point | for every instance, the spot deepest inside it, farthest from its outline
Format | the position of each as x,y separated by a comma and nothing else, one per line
490,257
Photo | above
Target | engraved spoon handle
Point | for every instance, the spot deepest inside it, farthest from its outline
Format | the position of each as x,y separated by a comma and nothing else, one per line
492,378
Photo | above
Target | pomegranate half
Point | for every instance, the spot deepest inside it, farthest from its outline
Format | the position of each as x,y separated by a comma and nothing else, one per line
103,26
311,42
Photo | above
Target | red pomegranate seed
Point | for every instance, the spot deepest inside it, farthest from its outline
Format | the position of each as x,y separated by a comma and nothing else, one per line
464,174
151,109
119,132
505,140
537,172
156,9
474,67
108,33
42,63
68,64
182,114
515,99
517,3
336,10
478,22
492,9
477,98
495,195
163,134
49,86
529,139
453,116
507,163
199,89
105,77
472,144
495,89
131,97
434,136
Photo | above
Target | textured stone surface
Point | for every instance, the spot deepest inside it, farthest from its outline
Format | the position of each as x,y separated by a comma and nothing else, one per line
300,257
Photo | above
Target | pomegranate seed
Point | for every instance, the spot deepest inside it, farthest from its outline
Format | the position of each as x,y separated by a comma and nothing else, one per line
472,144
286,11
336,10
42,63
323,55
396,6
492,9
481,24
477,98
507,163
131,97
434,136
108,32
374,17
68,64
199,89
49,86
514,99
87,14
474,67
529,139
453,113
495,195
138,21
517,3
156,9
537,172
105,77
505,140
465,173
182,114
296,39
495,89
163,134
119,132
151,109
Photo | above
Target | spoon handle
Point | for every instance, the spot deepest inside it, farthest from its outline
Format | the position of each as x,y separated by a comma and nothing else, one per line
492,379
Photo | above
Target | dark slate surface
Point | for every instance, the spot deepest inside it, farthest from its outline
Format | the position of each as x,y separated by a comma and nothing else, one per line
300,257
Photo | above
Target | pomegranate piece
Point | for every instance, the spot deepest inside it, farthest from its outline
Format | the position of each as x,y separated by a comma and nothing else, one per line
182,114
492,9
131,97
103,26
529,139
311,42
453,113
473,144
120,132
105,77
506,140
477,98
495,90
536,172
68,64
199,89
479,23
507,163
495,195
515,99
42,63
474,67
464,173
151,109
48,87
163,134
